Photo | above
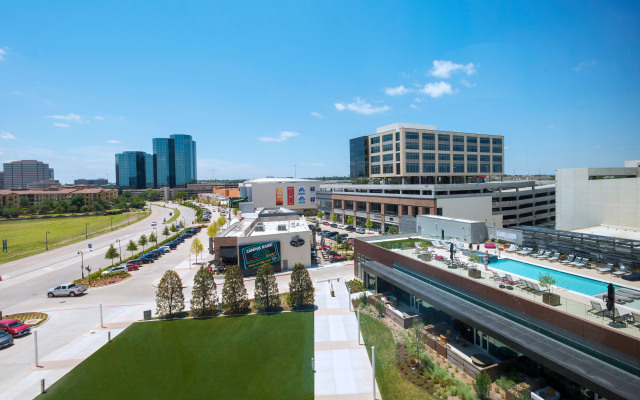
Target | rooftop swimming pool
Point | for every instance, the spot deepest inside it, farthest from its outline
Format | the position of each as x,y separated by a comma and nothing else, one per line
572,282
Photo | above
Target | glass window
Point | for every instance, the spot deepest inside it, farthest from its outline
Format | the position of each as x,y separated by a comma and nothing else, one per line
428,167
411,135
458,147
413,168
443,138
485,158
387,157
428,136
458,168
411,145
375,159
375,149
497,149
397,156
428,156
428,146
472,168
472,139
497,141
472,157
387,168
413,156
497,168
458,139
497,158
484,140
444,147
388,137
443,157
397,136
485,168
375,140
375,169
444,167
485,149
458,157
472,148
387,147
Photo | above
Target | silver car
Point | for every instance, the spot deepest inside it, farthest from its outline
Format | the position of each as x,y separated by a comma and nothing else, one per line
5,339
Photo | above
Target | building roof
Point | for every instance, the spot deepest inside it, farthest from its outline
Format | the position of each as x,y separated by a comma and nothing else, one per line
278,180
399,125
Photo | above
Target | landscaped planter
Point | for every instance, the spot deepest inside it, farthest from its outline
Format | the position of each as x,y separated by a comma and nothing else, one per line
475,273
551,298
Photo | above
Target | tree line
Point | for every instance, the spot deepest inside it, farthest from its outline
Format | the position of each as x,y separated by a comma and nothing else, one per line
235,300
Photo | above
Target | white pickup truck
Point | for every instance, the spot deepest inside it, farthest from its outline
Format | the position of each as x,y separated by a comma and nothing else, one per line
67,289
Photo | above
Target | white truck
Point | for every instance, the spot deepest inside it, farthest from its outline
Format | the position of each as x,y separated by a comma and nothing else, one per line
67,289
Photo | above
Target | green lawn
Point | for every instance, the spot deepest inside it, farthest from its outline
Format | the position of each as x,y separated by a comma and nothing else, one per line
403,243
391,382
27,237
248,357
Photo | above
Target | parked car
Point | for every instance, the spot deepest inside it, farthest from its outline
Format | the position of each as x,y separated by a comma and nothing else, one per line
339,258
344,236
334,225
14,327
148,258
360,230
326,223
166,248
154,223
5,339
133,267
172,245
117,268
66,289
350,228
135,262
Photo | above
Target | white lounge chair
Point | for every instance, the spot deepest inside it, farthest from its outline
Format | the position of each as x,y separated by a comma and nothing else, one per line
576,262
599,308
544,254
525,251
539,253
605,270
497,277
571,258
584,263
621,271
513,247
555,257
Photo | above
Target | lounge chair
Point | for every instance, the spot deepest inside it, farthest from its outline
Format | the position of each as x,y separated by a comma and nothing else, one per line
583,264
621,271
544,254
525,251
513,247
539,253
635,316
576,262
536,288
605,270
497,277
625,315
635,294
516,282
571,258
555,257
599,308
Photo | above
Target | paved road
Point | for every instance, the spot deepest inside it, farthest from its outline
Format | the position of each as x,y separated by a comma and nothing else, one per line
73,331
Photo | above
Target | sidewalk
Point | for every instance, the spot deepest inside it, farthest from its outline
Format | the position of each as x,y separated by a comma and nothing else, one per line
342,367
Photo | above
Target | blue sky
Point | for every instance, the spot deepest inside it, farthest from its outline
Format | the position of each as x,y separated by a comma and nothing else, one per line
264,86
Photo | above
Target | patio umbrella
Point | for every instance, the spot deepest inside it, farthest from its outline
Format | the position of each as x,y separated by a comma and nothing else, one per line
451,250
611,299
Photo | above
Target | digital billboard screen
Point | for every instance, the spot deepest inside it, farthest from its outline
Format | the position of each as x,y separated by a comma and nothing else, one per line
255,254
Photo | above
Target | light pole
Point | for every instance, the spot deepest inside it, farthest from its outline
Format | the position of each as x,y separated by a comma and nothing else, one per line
86,231
81,262
111,223
120,249
46,240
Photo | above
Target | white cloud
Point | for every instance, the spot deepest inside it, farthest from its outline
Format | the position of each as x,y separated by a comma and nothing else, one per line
17,93
69,117
581,65
284,135
444,69
438,89
317,115
597,147
113,141
414,106
396,91
2,53
550,126
61,125
361,106
98,117
7,135
467,83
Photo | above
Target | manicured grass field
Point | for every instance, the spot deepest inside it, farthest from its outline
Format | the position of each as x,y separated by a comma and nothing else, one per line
248,357
393,385
27,237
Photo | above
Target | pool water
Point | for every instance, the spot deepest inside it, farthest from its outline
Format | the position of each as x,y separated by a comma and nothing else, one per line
572,282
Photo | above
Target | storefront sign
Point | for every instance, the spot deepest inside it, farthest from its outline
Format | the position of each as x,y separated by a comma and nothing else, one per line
254,255
301,200
312,190
290,196
279,195
301,191
297,241
312,199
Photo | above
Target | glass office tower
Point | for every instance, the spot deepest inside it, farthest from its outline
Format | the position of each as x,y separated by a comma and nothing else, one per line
164,162
185,159
359,157
131,170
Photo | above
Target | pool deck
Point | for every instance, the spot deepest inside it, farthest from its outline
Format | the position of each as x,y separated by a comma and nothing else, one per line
574,303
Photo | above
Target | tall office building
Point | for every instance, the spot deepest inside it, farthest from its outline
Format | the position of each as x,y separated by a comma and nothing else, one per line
175,161
412,153
164,162
134,170
359,160
19,174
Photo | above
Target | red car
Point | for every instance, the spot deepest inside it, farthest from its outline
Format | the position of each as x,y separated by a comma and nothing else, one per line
14,327
326,223
133,267
339,258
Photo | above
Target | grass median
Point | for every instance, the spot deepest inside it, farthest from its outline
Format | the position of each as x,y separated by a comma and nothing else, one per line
27,237
248,357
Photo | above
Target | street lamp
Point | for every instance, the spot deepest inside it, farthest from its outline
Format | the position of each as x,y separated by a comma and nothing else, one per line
81,262
89,274
46,240
120,249
111,223
86,231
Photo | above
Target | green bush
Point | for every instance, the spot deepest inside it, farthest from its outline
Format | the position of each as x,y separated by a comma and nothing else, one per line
355,286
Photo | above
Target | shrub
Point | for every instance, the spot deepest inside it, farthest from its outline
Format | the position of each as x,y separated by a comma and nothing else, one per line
481,385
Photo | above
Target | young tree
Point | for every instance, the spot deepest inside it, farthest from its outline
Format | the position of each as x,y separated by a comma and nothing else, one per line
234,294
481,385
266,296
174,228
320,214
368,224
213,229
204,298
235,211
300,288
334,217
77,200
111,254
153,238
196,247
165,232
143,241
169,296
222,220
131,246
392,230
415,334
350,220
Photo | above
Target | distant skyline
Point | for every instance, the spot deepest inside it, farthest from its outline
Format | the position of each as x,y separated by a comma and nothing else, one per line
265,86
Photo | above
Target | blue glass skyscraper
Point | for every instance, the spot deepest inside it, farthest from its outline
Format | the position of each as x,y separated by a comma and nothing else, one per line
134,170
184,150
164,162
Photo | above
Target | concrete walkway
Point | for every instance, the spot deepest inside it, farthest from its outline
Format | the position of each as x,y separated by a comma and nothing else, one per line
343,369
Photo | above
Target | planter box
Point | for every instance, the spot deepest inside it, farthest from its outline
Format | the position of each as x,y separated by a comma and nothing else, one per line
551,298
475,273
441,349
